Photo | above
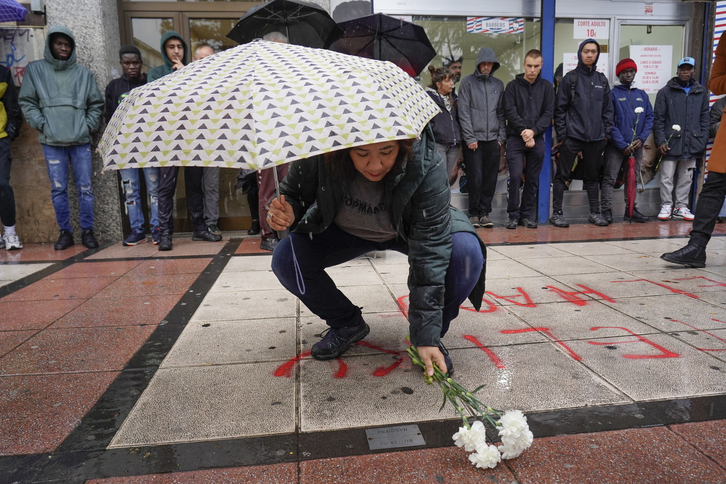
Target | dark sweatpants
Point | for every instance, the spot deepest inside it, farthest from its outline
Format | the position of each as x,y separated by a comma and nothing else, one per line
195,197
517,154
7,196
482,168
707,208
592,158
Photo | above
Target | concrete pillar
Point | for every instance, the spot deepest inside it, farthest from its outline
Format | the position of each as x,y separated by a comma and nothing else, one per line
95,25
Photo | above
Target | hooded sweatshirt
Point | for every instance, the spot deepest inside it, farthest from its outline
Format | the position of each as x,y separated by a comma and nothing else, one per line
626,99
481,103
60,98
583,107
161,71
117,90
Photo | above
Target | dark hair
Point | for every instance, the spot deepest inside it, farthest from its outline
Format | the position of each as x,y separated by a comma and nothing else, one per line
439,75
533,53
128,49
452,60
341,165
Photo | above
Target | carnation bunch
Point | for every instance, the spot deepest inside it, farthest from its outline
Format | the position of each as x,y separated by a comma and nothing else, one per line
511,425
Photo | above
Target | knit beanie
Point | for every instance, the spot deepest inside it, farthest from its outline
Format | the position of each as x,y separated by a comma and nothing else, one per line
625,64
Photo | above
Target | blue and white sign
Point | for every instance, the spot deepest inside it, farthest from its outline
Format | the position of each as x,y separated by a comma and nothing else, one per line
494,25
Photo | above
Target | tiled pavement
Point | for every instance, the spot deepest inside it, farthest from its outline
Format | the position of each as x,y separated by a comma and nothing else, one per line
133,366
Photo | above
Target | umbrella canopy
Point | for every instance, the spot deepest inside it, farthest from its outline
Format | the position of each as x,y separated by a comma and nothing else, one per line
302,23
263,104
386,38
11,11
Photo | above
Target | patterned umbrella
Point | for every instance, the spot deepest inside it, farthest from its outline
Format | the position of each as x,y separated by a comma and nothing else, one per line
263,104
11,11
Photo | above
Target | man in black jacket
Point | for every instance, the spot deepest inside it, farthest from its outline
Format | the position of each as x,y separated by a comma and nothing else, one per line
680,129
116,91
584,118
528,108
10,122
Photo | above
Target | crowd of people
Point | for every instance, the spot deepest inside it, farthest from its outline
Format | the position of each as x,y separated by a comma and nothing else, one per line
597,129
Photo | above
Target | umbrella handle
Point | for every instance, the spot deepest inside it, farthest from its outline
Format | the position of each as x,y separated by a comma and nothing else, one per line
282,234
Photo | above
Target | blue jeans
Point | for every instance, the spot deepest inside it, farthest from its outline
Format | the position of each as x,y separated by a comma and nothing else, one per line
56,159
131,182
335,246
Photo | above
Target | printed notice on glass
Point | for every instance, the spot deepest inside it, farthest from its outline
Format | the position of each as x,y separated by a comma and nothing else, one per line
393,437
655,66
597,29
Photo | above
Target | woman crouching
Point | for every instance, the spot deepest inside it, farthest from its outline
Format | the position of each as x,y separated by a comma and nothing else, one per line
392,195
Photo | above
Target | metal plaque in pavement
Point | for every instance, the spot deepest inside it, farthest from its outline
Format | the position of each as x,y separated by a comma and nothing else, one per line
394,437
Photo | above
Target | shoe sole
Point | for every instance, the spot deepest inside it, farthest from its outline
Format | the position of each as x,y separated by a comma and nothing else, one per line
14,247
694,264
131,244
343,349
202,239
487,226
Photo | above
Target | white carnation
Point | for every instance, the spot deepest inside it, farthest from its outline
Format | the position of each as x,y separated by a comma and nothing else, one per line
485,457
676,127
514,433
639,110
471,438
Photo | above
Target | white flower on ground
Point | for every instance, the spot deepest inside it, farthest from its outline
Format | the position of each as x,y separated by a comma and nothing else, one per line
514,433
471,438
485,457
639,110
676,127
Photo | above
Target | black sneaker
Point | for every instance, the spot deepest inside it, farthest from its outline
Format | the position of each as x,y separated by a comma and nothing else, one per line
88,239
527,223
597,219
135,238
214,229
447,359
165,242
269,243
336,341
637,217
474,221
558,220
64,241
485,222
608,216
156,235
206,235
511,224
691,255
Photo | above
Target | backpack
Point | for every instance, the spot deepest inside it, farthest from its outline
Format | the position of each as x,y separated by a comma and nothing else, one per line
573,84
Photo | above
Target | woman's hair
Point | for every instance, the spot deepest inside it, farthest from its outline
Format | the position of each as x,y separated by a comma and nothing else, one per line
341,165
439,75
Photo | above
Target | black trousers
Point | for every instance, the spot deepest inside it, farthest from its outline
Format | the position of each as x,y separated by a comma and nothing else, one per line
7,196
517,154
482,168
592,158
707,208
195,197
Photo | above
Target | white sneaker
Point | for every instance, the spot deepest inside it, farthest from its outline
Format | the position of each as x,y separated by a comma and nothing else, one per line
683,213
12,242
665,212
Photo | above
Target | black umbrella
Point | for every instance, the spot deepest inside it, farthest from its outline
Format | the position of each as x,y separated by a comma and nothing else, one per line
302,23
386,38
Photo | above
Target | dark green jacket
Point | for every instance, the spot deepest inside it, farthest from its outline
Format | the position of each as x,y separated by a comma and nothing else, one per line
162,70
418,199
60,99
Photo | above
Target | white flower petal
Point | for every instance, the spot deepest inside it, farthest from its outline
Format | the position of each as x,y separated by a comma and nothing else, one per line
485,457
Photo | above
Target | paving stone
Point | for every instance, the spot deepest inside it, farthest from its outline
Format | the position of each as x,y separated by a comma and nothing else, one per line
270,474
13,272
373,299
519,252
233,306
19,315
708,437
590,248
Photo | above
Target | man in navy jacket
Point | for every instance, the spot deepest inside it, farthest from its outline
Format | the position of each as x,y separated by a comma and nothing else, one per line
633,124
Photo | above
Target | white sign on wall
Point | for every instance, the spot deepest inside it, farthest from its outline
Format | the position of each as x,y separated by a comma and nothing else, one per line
569,62
654,66
591,29
495,25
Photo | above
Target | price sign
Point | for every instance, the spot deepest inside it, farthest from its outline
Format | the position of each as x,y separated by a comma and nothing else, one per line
591,29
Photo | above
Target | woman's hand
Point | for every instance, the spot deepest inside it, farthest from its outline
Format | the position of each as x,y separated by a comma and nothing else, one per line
430,355
280,216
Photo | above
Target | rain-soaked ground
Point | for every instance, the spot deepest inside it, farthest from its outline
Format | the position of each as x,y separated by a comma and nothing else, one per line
129,365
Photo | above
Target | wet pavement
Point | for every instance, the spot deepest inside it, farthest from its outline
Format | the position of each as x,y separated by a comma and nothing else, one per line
129,365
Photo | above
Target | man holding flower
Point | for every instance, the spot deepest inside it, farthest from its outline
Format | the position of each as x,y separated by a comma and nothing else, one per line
633,124
680,128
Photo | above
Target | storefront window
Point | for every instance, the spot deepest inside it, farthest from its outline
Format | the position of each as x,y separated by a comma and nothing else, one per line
212,32
569,34
450,37
147,34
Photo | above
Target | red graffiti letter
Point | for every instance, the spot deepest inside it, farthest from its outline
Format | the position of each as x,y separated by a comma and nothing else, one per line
671,289
528,301
573,296
492,356
640,339
548,332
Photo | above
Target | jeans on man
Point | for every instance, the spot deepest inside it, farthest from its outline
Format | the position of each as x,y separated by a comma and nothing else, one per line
707,208
482,169
131,182
517,154
210,186
614,159
592,156
57,160
668,168
195,198
7,196
450,153
319,293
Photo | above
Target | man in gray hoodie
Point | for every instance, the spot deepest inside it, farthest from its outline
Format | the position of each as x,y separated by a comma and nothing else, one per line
481,115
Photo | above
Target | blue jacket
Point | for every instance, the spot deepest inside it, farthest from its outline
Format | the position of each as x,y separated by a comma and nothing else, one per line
625,101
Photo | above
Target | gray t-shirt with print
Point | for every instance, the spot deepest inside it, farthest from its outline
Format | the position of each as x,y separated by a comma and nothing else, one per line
363,212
